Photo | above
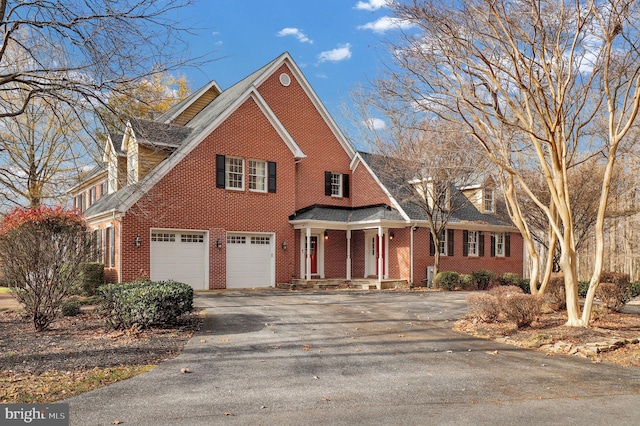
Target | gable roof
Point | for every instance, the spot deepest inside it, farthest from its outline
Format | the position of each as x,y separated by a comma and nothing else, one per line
395,184
211,116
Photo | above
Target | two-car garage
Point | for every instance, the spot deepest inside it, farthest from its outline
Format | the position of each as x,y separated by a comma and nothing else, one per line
183,256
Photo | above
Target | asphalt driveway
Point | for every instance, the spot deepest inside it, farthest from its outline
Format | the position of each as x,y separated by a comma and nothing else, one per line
275,357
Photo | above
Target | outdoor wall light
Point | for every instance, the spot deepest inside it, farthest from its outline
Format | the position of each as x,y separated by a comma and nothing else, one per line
391,235
284,244
138,241
326,235
218,243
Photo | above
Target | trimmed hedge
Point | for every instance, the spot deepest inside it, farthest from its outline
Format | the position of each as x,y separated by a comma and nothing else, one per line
142,304
447,280
483,279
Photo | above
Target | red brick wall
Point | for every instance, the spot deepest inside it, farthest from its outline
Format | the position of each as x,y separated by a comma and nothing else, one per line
187,197
466,264
307,127
335,254
366,190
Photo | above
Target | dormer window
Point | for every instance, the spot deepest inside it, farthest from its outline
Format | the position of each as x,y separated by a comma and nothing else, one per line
132,166
489,200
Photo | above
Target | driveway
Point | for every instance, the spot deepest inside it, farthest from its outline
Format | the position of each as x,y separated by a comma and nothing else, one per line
275,357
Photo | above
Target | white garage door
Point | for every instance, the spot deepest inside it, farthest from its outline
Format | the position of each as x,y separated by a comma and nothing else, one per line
179,256
250,261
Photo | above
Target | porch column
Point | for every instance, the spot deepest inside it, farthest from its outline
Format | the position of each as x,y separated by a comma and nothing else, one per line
380,256
411,258
348,254
307,255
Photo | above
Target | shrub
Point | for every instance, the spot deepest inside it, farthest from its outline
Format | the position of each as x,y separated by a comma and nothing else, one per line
521,309
525,285
447,280
555,294
145,303
583,288
41,250
466,282
91,277
483,306
482,279
635,289
613,296
70,308
503,291
508,278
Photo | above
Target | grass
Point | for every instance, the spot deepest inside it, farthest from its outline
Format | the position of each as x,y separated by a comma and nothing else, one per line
4,290
56,385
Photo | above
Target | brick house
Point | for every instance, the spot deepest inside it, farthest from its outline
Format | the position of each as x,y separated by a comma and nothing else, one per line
256,185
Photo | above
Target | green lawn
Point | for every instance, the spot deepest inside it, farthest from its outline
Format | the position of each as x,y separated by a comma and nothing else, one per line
4,289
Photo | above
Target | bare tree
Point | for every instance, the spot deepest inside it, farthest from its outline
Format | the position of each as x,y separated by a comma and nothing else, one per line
79,51
43,151
544,72
426,161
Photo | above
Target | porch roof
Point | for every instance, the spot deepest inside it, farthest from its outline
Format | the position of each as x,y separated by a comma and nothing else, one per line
380,213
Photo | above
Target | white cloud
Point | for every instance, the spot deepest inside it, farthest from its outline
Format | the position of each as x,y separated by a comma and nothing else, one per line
385,24
375,123
302,38
336,55
371,5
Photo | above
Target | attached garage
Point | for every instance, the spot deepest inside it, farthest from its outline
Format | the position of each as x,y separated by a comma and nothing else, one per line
250,260
180,256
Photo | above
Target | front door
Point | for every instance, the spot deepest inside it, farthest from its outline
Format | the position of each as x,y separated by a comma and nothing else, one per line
313,254
379,250
375,249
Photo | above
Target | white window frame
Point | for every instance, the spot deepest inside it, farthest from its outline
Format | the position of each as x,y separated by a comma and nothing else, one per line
499,244
234,173
257,177
488,200
473,239
336,185
443,243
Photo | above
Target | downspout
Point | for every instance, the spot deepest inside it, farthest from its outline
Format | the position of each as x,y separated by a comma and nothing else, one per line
411,257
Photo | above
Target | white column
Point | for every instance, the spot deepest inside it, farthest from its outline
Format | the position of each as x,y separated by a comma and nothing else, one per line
307,260
380,257
348,254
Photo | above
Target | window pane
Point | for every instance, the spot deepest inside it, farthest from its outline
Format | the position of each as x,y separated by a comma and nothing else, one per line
336,184
257,175
234,173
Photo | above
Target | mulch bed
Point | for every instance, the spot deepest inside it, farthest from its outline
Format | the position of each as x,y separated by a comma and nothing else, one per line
84,342
550,328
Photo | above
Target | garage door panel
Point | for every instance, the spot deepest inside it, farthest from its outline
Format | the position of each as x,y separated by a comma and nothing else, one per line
249,261
179,256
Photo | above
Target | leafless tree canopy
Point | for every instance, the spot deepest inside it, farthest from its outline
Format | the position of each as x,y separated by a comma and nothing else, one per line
531,81
78,51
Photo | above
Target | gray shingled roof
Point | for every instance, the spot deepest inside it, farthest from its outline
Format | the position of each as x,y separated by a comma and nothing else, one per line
174,136
156,134
394,177
346,214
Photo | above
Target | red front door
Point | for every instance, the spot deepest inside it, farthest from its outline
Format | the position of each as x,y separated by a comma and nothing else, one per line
313,254
378,253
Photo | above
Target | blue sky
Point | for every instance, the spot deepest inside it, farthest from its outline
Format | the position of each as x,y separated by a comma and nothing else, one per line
336,43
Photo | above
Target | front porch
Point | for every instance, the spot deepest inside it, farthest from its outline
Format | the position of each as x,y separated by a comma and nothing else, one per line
333,283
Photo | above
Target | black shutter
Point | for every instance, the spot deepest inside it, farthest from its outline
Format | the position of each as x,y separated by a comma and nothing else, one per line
345,186
327,183
271,183
432,246
493,245
481,243
220,164
465,243
450,242
507,244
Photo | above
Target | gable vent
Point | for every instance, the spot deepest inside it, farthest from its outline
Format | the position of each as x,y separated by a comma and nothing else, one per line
285,80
